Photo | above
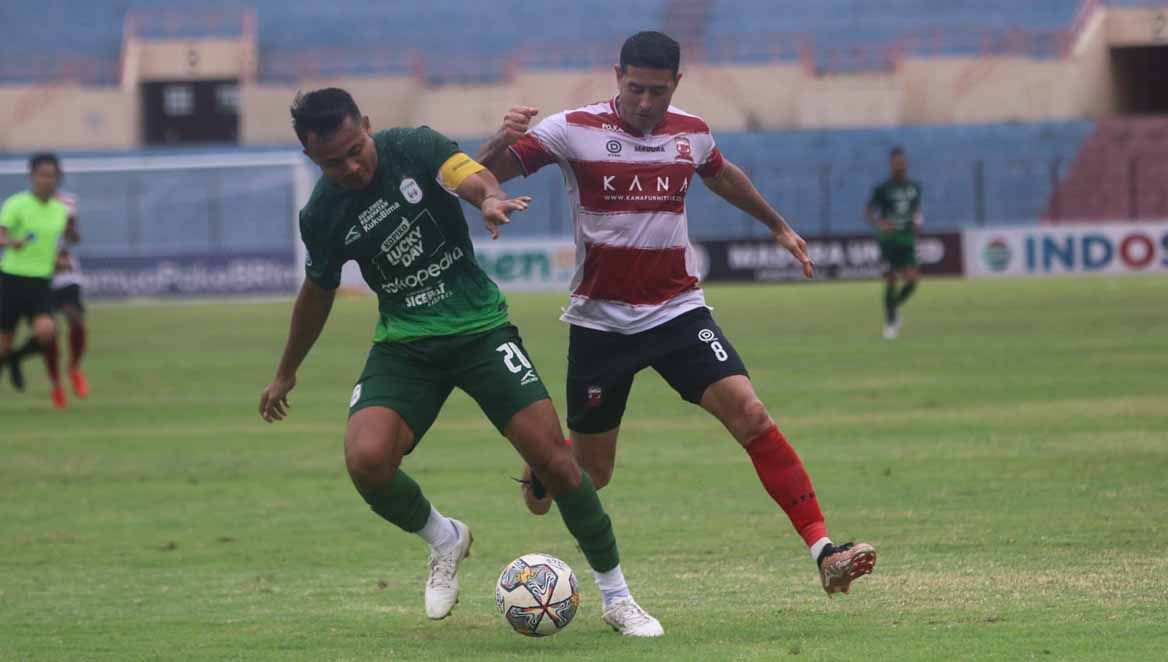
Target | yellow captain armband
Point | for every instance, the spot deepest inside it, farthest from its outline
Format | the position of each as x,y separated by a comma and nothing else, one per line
456,169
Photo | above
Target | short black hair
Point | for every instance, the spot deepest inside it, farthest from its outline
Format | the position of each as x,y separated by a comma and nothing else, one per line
651,50
896,151
36,160
322,112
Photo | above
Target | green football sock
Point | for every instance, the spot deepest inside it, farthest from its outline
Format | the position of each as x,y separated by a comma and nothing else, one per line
889,303
590,525
400,502
906,292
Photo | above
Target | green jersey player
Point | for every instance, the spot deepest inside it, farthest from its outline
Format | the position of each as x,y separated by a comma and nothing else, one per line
389,201
895,211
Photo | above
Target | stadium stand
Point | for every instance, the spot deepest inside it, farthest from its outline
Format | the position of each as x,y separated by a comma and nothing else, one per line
478,41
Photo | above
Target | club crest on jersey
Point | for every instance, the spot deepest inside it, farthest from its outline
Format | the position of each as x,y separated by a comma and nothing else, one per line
411,191
354,235
684,151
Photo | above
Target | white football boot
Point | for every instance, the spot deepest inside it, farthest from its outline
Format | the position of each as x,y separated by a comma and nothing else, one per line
442,584
626,617
891,331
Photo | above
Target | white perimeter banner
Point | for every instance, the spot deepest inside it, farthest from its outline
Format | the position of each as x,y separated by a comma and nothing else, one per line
516,265
1105,248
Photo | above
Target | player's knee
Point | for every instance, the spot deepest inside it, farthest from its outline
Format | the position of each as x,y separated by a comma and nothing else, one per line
369,460
752,420
600,473
45,330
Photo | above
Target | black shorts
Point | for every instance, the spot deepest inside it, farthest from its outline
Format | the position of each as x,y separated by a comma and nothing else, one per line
70,295
689,351
22,297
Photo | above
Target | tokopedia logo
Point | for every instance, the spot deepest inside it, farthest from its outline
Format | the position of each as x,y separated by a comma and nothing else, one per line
997,254
422,276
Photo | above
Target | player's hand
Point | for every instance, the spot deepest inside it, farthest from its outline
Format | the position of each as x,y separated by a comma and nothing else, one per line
497,212
517,121
885,225
790,240
274,400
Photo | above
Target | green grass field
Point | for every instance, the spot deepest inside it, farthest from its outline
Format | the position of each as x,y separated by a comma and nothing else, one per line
1008,456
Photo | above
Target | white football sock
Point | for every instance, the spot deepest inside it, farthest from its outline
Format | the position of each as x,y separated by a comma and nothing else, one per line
439,531
818,547
611,584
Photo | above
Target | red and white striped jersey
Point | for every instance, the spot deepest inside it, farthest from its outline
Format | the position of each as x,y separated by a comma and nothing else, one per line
635,266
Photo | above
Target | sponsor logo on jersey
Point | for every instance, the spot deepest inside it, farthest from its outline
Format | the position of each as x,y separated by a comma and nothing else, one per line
354,235
684,151
428,297
422,276
376,213
650,148
411,191
404,246
614,147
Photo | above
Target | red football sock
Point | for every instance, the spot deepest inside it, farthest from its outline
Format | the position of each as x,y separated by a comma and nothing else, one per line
785,479
76,343
52,362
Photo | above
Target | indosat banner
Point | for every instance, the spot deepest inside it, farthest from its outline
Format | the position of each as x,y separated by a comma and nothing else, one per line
1113,248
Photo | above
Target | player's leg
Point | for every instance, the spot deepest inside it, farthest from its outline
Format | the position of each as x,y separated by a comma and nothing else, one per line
6,339
601,367
393,404
912,274
498,374
705,369
68,301
45,329
890,312
13,307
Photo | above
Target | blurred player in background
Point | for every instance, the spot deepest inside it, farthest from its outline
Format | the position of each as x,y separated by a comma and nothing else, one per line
635,300
66,288
895,211
67,284
32,225
389,200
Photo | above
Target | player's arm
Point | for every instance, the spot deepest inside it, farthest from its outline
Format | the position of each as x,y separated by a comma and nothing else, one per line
7,221
496,154
9,242
469,180
732,184
72,235
309,315
872,213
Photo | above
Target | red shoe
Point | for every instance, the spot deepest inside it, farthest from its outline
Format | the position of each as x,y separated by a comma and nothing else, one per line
80,384
59,401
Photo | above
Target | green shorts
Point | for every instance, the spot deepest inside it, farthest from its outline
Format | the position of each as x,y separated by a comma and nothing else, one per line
898,255
414,378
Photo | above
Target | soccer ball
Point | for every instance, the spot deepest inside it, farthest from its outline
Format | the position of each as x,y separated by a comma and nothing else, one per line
537,594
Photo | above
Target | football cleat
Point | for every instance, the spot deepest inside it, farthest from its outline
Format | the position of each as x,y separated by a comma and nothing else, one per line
442,584
840,565
59,401
628,618
80,383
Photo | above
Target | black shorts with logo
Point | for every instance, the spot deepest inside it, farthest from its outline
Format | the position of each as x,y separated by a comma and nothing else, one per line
23,297
689,351
69,295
